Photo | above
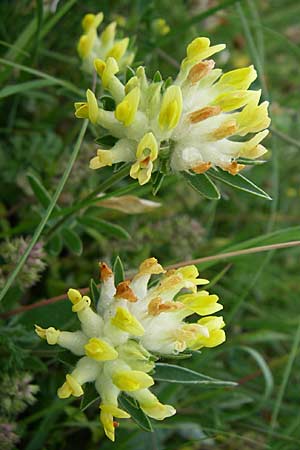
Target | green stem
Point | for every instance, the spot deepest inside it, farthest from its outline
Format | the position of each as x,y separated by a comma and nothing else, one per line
285,379
89,198
48,212
66,84
122,173
284,137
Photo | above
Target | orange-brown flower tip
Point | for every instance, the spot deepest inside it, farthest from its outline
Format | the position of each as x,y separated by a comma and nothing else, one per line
105,271
124,291
156,306
170,272
150,266
201,168
203,114
115,424
234,168
225,130
145,161
200,70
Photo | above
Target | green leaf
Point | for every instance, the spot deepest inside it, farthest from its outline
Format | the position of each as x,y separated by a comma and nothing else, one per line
251,162
182,375
118,270
267,375
238,181
39,190
129,73
157,77
104,227
72,240
107,140
26,86
203,184
259,336
94,292
55,244
108,103
39,17
90,396
136,413
173,357
157,182
167,83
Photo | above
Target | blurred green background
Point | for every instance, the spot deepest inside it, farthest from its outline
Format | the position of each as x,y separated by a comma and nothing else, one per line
260,292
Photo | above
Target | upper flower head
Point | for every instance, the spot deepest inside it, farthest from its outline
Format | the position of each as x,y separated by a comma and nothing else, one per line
187,125
91,46
132,321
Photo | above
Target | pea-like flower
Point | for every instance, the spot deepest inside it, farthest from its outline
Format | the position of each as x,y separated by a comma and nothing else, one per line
191,124
119,341
92,46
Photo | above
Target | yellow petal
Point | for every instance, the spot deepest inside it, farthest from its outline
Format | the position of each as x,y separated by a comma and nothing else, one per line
201,302
171,108
212,322
200,49
147,147
108,425
74,296
125,321
126,110
85,43
114,411
119,49
92,105
79,302
103,159
108,34
106,70
91,21
238,78
70,387
229,101
81,110
100,350
132,380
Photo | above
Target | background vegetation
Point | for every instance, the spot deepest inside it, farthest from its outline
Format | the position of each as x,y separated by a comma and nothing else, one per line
40,79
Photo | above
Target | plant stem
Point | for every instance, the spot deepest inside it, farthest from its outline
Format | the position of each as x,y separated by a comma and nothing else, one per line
247,251
87,200
220,256
48,212
285,378
284,137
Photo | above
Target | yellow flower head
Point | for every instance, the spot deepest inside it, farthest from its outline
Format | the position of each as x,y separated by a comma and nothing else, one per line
118,342
191,124
91,45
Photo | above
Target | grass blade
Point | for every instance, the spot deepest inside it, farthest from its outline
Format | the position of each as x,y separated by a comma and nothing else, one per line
48,212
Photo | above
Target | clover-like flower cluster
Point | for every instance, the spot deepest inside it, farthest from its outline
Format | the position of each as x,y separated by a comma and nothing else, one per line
92,46
133,324
185,125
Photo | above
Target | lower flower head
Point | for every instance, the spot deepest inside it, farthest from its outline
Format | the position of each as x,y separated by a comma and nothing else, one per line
132,324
